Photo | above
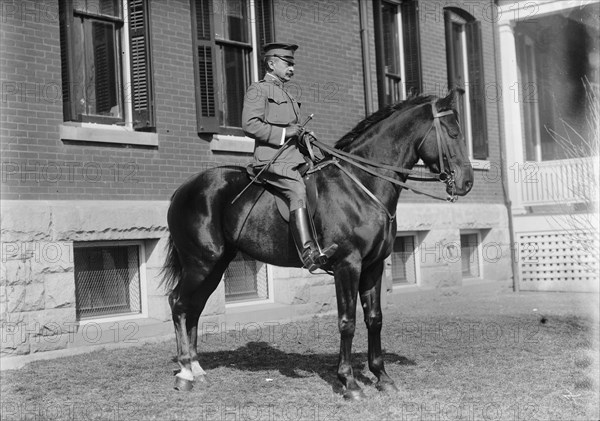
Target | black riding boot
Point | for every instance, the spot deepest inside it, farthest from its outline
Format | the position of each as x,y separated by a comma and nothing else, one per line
312,257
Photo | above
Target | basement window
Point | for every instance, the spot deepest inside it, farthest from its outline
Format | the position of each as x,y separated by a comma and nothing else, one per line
469,255
108,280
403,261
246,279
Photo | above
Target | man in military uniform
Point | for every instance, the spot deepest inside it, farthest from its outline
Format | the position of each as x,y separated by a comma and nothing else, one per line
271,117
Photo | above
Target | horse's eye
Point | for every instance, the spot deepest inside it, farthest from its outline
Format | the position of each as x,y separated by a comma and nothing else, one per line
453,132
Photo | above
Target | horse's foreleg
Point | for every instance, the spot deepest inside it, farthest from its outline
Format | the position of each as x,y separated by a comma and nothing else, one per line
370,297
346,286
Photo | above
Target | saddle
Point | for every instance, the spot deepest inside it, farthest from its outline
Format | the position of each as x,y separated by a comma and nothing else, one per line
312,195
315,161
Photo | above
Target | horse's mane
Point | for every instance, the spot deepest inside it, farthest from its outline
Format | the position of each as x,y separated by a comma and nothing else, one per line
378,116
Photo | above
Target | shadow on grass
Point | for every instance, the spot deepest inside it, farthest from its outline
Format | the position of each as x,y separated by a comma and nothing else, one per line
261,356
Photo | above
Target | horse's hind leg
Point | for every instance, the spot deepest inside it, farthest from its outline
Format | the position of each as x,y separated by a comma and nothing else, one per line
187,302
198,302
370,297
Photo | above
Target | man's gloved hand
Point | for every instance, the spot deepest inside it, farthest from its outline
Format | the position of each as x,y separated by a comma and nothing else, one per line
293,130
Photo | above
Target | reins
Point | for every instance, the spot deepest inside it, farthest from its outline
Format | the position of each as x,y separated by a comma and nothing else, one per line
443,152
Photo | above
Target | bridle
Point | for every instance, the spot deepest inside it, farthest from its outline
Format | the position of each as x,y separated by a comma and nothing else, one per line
447,177
443,151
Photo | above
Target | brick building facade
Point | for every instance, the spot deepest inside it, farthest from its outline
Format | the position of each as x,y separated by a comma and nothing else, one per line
86,180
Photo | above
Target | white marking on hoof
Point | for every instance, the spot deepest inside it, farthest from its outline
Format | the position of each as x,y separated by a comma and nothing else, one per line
185,374
183,385
197,370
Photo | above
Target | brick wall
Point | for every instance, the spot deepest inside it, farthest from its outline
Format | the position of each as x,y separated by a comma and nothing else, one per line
487,186
36,164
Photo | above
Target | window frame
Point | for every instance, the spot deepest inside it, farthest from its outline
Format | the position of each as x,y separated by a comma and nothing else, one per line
259,267
142,277
409,51
530,114
478,251
413,253
136,126
210,93
472,100
460,71
73,14
248,57
394,79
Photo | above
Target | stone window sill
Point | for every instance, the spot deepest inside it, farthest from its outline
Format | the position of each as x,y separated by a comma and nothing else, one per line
91,132
226,143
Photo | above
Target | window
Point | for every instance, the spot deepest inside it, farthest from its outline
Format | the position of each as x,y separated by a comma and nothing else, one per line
403,261
246,279
105,60
469,255
228,38
107,280
397,50
465,71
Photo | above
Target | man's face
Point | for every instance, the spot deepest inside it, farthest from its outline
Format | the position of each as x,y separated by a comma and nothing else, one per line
282,69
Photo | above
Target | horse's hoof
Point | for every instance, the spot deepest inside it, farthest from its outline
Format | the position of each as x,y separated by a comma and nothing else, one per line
386,387
182,384
354,395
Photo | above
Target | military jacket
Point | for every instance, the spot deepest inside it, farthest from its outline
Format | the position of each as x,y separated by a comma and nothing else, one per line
268,109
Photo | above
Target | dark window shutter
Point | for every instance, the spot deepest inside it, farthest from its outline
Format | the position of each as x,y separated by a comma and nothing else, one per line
142,98
450,59
264,22
476,90
66,22
205,66
379,52
412,51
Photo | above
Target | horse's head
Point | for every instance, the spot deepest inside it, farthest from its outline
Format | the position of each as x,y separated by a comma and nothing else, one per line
443,148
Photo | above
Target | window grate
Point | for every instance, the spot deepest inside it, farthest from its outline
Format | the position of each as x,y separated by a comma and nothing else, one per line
107,280
246,279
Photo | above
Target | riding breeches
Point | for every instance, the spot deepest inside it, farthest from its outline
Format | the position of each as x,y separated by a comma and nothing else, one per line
284,177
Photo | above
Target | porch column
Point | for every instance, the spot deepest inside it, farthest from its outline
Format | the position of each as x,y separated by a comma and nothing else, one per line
513,133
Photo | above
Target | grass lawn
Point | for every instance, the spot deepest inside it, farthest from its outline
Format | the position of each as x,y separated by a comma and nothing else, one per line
472,353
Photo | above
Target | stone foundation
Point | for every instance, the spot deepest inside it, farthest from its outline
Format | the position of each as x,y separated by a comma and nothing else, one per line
37,284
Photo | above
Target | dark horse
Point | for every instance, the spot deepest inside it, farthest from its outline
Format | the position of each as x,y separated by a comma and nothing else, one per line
206,230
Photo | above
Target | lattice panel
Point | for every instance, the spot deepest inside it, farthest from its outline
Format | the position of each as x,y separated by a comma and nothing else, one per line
107,280
246,279
558,261
404,269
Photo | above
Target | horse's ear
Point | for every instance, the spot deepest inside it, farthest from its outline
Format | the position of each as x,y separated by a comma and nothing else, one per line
449,102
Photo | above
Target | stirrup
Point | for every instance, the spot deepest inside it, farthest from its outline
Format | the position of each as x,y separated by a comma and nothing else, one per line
314,258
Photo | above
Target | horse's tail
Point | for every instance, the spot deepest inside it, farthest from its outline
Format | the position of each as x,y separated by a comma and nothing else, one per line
172,271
